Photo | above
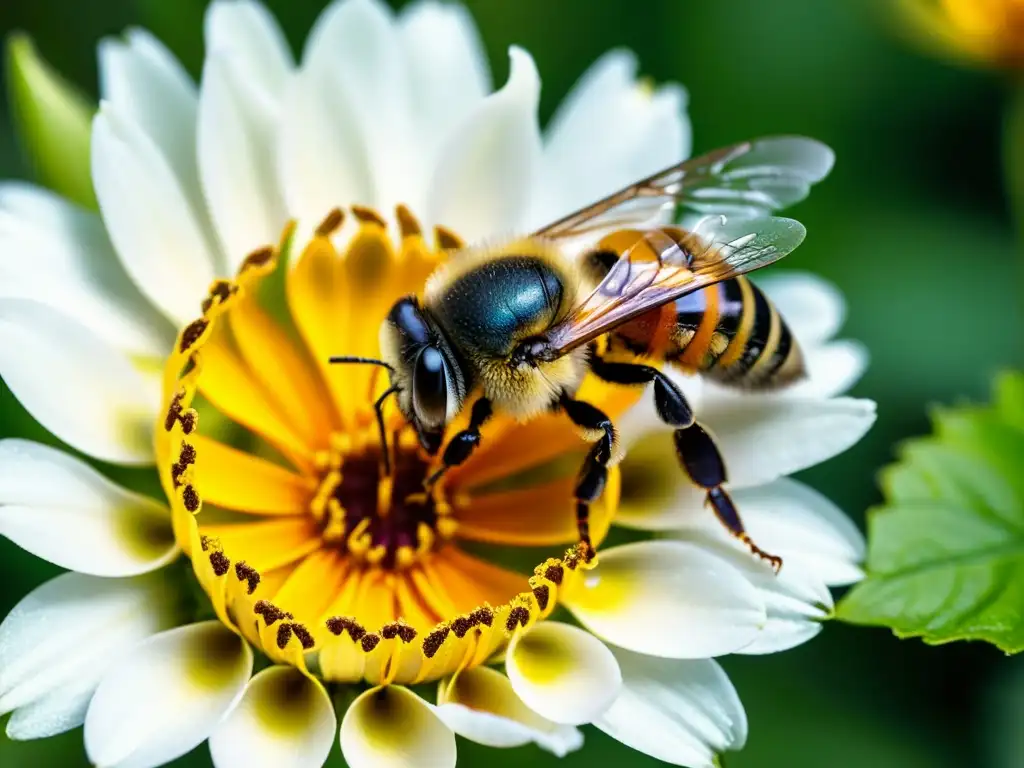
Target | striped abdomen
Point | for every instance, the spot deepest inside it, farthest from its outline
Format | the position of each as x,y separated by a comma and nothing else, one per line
729,332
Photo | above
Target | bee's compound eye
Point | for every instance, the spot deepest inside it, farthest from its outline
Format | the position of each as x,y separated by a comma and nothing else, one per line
430,387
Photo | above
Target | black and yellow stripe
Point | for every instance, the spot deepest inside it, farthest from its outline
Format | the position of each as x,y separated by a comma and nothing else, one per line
739,338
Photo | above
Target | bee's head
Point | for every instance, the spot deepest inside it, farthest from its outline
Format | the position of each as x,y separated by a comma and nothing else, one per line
431,384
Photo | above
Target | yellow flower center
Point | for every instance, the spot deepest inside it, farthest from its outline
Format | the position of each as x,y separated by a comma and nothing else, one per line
990,31
273,463
388,521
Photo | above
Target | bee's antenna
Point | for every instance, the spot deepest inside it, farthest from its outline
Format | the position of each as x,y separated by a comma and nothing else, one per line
365,360
378,408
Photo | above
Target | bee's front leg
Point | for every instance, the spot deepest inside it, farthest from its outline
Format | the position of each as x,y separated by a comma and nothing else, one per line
594,472
463,443
695,449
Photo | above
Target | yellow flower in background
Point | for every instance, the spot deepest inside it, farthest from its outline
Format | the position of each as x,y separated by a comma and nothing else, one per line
388,147
987,32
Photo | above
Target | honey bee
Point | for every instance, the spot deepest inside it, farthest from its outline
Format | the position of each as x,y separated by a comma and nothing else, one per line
515,328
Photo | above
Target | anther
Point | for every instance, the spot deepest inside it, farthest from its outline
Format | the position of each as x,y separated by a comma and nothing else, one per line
193,331
368,215
461,625
407,223
369,641
483,616
446,239
305,638
220,563
432,643
338,624
517,616
248,574
331,222
258,258
190,498
554,574
542,595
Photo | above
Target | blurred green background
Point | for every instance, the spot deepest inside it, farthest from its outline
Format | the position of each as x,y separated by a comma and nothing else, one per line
914,228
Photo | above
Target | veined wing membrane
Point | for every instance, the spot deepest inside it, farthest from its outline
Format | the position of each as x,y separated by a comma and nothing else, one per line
729,247
748,180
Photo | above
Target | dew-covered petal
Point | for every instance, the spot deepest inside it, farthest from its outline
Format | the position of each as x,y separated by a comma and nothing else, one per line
788,519
764,437
813,307
668,599
76,385
684,712
152,223
284,720
62,510
488,167
59,254
448,69
610,131
61,638
479,704
392,727
166,696
562,673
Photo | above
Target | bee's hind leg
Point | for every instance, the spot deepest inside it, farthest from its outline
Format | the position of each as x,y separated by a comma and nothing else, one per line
695,449
463,443
594,472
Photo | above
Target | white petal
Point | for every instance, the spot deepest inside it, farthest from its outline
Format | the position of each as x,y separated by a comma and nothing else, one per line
284,720
796,599
562,673
682,712
62,510
668,599
764,437
394,728
149,87
831,369
80,388
64,635
60,254
793,521
165,697
609,132
245,32
480,705
237,145
356,48
488,167
53,713
151,222
813,307
323,158
448,69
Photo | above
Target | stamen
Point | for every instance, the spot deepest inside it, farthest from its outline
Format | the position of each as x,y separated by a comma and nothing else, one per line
408,225
542,594
332,221
432,643
192,333
447,240
383,520
220,563
248,574
271,613
258,258
368,215
517,616
369,641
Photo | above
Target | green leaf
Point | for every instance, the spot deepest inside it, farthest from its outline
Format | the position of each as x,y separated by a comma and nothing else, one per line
946,551
53,120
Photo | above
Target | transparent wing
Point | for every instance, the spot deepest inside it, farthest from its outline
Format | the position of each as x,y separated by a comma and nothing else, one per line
718,248
747,180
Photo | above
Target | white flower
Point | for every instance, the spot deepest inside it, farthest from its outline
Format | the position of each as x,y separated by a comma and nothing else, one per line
382,111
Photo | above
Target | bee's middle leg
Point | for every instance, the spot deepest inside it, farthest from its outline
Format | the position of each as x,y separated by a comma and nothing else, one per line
695,449
594,472
463,443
